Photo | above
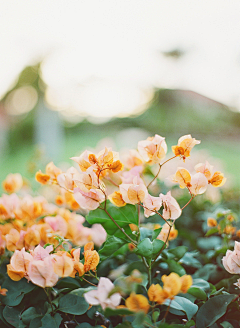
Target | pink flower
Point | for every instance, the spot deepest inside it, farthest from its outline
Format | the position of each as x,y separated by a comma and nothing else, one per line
199,184
66,180
151,204
206,169
171,209
98,234
41,272
128,176
153,150
57,223
231,261
100,295
40,253
135,192
89,200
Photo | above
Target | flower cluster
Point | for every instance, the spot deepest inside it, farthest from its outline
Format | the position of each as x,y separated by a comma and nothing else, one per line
43,267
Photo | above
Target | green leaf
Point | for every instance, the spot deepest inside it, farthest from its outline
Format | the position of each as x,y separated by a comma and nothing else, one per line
68,282
155,315
51,322
16,291
157,246
178,252
198,293
73,304
184,305
115,312
111,245
122,215
12,316
226,324
139,319
212,310
145,233
80,291
28,315
175,267
36,322
211,231
201,283
155,233
87,325
189,260
145,248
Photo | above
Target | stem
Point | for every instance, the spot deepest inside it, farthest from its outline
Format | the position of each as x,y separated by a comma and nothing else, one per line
187,202
123,231
160,166
89,282
170,227
49,298
168,160
156,212
165,316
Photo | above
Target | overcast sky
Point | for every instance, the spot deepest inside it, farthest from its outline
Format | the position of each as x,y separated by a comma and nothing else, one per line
113,49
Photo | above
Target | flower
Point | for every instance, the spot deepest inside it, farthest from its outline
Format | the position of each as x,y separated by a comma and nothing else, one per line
12,183
135,192
211,222
151,205
137,302
89,200
41,272
231,261
184,146
153,150
199,184
101,295
171,209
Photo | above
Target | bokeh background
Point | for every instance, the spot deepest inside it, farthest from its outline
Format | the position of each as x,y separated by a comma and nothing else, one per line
85,74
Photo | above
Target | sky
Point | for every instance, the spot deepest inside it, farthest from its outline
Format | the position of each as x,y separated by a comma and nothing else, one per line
104,58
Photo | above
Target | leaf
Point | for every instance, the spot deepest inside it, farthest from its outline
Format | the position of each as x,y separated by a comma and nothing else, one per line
111,245
175,267
12,316
183,304
145,248
157,246
209,243
28,315
36,322
115,312
155,233
145,233
139,319
211,231
226,324
68,282
16,291
198,293
189,260
212,310
51,322
73,304
122,215
178,252
80,291
201,283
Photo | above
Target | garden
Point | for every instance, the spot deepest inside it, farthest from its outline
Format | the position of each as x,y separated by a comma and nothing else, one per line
146,238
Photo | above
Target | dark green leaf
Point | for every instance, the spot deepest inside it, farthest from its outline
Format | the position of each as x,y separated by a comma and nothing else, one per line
198,293
80,291
145,248
28,315
73,304
175,267
111,245
16,291
226,324
36,322
122,215
145,233
189,260
212,310
68,282
139,319
115,312
157,246
12,316
51,322
178,252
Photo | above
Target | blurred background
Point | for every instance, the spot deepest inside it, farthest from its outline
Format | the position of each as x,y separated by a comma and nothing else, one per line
74,73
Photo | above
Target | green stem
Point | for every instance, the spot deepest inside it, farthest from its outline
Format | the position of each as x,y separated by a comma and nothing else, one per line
49,298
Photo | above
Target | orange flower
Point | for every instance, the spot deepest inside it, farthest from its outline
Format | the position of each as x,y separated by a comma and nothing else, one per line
217,180
116,199
186,283
91,260
42,178
172,284
137,302
184,146
12,183
89,246
211,222
183,177
3,291
153,292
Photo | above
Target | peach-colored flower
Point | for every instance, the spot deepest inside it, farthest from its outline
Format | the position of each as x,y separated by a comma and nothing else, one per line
89,200
184,146
42,177
62,264
218,179
153,150
8,205
128,176
199,184
83,160
87,180
171,209
15,239
101,295
135,192
151,204
91,260
211,222
39,253
58,224
231,261
132,159
78,266
206,169
164,234
53,171
116,199
41,272
19,265
66,180
12,183
183,177
98,234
